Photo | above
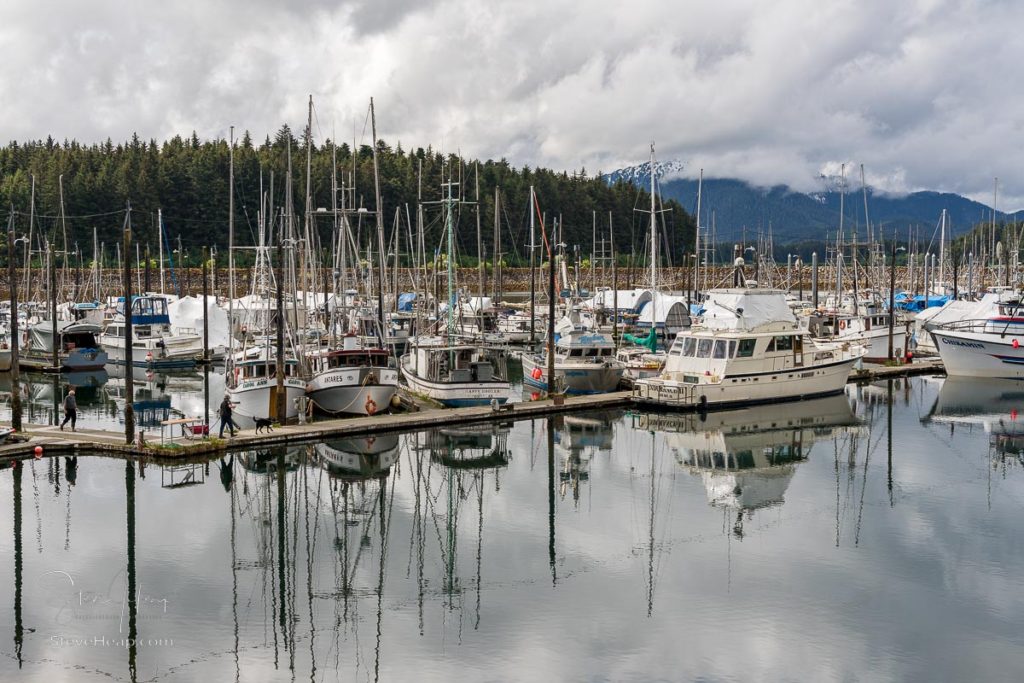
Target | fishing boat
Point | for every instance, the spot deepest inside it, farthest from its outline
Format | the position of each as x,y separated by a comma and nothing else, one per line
358,458
155,342
454,375
747,348
253,385
989,347
585,361
353,379
76,345
866,328
441,369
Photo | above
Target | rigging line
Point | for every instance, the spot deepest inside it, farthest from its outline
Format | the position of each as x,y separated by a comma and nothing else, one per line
38,216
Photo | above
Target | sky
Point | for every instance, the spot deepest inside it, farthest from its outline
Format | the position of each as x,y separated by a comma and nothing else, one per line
925,93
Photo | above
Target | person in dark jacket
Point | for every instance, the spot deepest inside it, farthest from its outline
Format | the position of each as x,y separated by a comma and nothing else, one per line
225,416
70,410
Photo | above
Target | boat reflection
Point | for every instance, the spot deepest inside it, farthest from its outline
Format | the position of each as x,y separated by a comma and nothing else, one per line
746,458
480,446
358,458
992,405
578,439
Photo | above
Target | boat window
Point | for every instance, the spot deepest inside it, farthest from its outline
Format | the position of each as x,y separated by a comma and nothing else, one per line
689,346
732,348
784,343
746,348
720,347
575,352
771,345
677,348
593,352
704,348
606,352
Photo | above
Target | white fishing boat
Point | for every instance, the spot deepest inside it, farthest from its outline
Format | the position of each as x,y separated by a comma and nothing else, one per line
253,385
870,330
747,348
585,361
353,379
155,342
454,375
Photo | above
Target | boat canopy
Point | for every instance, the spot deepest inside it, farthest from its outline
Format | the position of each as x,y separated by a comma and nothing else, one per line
745,309
41,334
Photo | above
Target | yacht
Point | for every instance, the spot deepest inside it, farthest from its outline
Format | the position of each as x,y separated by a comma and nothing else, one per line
747,348
354,379
585,360
155,343
861,322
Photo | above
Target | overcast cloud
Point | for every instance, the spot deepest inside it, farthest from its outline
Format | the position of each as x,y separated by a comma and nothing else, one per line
925,93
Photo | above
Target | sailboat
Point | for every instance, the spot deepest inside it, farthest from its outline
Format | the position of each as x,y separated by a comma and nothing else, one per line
450,373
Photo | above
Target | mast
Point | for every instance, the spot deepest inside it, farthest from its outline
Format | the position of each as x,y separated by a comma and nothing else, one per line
496,268
479,246
231,246
696,246
533,270
654,233
942,250
380,227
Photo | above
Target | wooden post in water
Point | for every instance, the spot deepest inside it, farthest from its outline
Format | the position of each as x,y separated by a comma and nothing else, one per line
892,294
52,286
15,384
552,388
129,386
206,342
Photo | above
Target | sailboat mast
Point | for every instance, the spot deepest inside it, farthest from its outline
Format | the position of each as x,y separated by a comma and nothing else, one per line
160,244
942,250
696,242
380,226
533,271
654,232
231,244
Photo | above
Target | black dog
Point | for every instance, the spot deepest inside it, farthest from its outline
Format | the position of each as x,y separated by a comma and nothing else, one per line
263,423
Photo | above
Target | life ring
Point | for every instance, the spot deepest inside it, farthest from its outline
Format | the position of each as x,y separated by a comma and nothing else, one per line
537,373
370,406
842,324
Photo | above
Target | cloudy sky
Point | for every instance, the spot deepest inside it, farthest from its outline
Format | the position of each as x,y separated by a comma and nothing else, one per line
925,93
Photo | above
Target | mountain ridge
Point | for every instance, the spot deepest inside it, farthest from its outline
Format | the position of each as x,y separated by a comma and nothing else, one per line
739,210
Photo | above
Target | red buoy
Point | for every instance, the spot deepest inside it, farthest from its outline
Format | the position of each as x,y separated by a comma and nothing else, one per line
1016,344
537,373
38,451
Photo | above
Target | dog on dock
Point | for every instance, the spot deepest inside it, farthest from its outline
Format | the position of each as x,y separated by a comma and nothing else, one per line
263,423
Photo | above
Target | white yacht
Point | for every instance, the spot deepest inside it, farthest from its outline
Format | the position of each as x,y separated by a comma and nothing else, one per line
454,375
747,348
354,379
585,360
155,343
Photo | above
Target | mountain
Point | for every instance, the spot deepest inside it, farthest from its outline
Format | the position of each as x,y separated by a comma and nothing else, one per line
740,208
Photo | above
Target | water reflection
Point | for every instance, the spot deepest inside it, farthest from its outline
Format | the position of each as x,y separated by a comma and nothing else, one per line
990,405
485,551
747,459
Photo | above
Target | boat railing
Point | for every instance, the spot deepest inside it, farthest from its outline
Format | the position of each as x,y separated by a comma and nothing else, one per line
981,325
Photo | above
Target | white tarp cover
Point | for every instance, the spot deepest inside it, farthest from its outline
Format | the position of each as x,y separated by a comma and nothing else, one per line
660,308
628,299
756,306
187,312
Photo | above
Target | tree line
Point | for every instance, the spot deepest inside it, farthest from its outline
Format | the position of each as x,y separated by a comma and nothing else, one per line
187,179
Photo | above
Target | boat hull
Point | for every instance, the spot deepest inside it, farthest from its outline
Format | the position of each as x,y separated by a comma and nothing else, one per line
256,398
171,355
354,391
575,379
979,354
769,387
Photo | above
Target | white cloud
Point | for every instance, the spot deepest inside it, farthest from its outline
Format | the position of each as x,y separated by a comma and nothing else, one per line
924,93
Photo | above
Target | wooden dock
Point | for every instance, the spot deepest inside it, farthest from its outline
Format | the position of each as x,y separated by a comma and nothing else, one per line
55,442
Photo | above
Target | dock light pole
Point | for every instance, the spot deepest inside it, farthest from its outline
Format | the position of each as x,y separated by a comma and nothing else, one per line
206,342
892,294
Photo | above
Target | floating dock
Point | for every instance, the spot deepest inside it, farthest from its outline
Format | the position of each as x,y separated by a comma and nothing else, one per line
55,442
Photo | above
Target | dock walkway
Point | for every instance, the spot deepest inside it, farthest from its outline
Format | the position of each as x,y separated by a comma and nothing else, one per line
55,442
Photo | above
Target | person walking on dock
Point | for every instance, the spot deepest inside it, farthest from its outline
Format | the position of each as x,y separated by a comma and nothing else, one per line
225,416
70,410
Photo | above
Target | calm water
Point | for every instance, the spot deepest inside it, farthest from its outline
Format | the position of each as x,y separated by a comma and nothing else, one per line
801,542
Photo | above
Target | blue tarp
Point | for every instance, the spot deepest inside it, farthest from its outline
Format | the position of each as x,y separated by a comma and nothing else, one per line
405,301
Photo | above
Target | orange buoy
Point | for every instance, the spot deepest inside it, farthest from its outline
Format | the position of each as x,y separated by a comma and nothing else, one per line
537,373
371,406
38,450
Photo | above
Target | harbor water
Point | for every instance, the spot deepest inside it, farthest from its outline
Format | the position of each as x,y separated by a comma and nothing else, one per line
867,536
